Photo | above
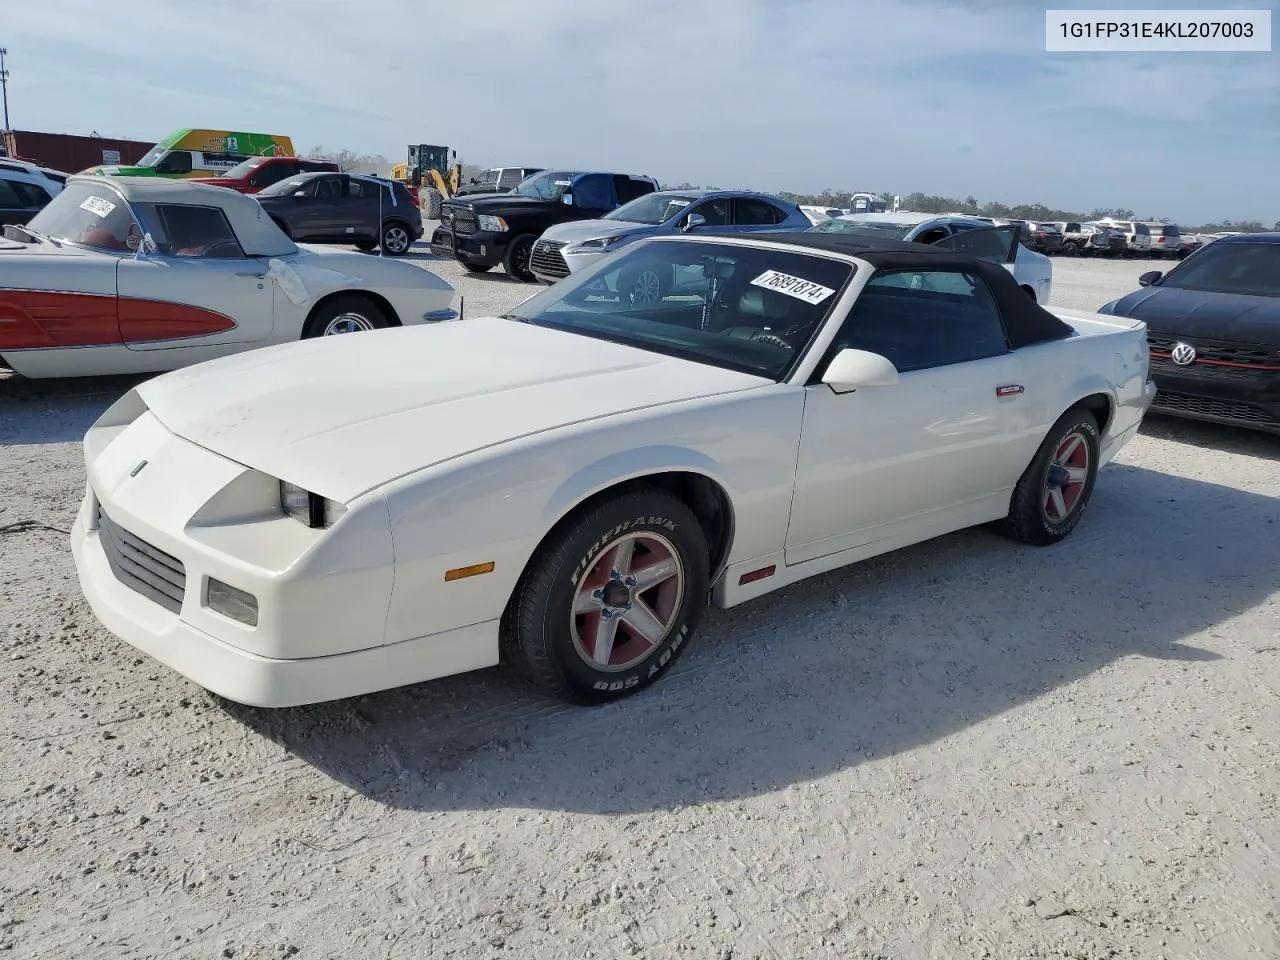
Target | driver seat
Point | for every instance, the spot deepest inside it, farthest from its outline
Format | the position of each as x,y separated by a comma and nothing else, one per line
772,309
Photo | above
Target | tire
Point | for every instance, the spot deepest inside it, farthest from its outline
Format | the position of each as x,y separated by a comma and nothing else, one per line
556,648
647,287
366,245
396,239
1071,248
476,267
434,198
348,313
1036,515
516,260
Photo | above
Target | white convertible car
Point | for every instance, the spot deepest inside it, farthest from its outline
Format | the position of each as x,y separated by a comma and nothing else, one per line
566,487
127,275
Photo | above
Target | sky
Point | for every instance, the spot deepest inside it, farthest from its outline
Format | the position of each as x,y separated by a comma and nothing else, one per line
938,96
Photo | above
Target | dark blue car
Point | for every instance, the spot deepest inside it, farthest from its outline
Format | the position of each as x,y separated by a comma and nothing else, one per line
1213,325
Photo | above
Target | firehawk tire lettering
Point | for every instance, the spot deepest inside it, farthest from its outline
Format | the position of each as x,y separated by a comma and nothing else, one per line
537,626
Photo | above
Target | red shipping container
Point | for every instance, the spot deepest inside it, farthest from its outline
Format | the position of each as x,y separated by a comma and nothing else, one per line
71,153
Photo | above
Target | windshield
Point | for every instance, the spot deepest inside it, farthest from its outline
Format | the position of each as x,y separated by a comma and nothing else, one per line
741,308
91,216
545,186
1252,269
245,167
153,156
652,209
895,230
284,188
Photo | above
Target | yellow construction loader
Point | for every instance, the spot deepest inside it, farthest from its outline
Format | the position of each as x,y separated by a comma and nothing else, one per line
434,172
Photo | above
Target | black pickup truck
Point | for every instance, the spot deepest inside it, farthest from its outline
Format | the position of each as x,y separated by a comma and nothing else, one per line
484,230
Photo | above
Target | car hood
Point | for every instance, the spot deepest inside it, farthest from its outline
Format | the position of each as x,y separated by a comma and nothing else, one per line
577,231
503,201
344,415
1196,313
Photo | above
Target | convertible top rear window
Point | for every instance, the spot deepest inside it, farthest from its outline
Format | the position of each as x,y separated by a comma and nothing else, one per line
742,308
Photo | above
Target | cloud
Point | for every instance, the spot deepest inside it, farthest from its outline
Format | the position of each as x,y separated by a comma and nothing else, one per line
944,97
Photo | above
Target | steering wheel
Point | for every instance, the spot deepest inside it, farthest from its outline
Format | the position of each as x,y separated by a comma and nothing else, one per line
772,338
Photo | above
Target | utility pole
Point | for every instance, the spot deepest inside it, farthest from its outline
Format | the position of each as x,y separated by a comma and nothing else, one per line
4,87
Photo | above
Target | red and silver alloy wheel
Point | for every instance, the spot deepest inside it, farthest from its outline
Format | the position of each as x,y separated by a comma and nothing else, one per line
627,601
1066,479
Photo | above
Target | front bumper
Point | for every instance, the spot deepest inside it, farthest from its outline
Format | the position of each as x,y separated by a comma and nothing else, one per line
481,249
552,260
1232,397
162,517
258,681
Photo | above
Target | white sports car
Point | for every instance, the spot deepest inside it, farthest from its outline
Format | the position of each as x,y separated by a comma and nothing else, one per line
123,275
998,243
567,486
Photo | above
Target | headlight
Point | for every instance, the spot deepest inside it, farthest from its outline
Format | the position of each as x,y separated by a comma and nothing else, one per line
306,507
602,243
491,224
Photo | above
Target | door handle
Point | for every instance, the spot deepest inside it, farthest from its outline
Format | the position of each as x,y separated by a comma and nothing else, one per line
252,273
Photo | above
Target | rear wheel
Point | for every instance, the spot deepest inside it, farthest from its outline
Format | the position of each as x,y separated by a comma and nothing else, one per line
1054,490
1071,248
611,598
396,239
345,314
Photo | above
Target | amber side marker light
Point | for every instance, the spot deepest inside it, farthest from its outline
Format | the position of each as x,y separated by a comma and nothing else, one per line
755,575
461,573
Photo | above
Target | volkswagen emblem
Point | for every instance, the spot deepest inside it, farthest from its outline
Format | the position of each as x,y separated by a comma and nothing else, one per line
1184,354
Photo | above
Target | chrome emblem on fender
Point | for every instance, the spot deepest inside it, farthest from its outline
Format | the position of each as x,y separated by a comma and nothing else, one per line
1184,354
138,469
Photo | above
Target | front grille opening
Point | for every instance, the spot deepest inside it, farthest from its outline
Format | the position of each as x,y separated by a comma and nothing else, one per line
142,567
1212,407
547,260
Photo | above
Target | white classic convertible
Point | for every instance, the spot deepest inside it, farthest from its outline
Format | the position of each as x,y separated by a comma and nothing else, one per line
566,487
122,275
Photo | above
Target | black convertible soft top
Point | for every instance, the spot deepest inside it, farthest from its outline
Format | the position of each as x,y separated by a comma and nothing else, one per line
1025,321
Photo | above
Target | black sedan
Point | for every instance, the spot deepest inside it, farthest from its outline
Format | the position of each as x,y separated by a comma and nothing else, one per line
1213,325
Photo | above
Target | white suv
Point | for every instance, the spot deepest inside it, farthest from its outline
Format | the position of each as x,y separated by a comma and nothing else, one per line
25,188
1136,232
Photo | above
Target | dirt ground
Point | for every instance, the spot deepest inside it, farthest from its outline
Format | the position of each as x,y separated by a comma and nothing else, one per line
967,749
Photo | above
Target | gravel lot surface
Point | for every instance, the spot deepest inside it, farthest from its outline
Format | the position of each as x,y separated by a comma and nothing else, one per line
967,749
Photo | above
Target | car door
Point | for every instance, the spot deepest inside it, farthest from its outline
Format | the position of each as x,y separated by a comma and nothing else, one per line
19,200
329,212
197,289
939,446
593,196
361,216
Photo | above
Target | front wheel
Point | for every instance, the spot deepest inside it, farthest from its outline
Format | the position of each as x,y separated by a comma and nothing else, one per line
516,260
345,314
611,598
1054,490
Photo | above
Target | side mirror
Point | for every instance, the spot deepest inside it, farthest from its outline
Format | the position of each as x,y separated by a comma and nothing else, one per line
566,199
1150,277
692,222
298,194
850,369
